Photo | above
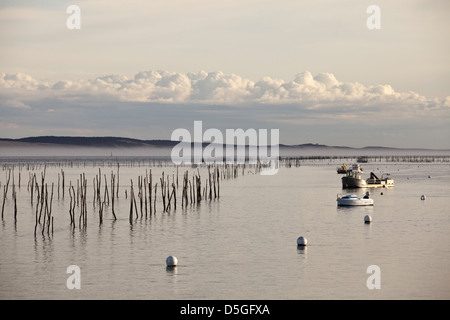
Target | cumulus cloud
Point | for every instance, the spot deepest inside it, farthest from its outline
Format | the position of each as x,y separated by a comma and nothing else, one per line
152,103
318,99
21,81
214,87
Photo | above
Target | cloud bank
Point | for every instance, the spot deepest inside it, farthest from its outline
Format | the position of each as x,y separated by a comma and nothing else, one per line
320,105
214,87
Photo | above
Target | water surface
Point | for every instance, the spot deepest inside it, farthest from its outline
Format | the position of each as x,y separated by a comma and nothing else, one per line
241,246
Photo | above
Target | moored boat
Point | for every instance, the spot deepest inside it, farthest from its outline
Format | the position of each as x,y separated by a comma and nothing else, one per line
353,200
342,169
362,159
353,179
375,182
354,167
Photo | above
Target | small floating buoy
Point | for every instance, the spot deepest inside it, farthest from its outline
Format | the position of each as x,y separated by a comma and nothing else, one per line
301,241
423,197
171,261
367,219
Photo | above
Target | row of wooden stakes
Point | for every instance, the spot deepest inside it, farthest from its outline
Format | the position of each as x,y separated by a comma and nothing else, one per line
142,197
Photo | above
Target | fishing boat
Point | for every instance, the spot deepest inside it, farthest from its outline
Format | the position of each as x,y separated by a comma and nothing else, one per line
342,169
354,179
353,200
383,182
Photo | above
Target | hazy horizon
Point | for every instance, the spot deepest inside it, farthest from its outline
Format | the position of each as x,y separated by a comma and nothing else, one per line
11,142
25,150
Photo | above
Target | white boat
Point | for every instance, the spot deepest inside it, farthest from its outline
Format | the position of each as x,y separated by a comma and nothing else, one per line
353,200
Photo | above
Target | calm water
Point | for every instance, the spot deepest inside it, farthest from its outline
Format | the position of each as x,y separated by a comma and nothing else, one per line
242,246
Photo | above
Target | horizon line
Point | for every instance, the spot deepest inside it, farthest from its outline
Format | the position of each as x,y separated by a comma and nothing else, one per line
307,144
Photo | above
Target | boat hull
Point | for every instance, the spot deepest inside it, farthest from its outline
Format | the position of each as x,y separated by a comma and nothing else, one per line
352,182
386,183
354,202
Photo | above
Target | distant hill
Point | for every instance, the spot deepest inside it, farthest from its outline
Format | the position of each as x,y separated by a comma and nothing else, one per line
121,142
94,141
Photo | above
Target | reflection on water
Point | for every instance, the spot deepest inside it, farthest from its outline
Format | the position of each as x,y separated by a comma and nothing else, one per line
172,270
302,249
241,246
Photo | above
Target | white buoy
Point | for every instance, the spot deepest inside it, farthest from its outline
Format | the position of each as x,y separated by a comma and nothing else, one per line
423,197
301,241
367,219
171,261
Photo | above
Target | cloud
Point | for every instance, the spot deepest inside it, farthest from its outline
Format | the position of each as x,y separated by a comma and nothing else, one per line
12,103
158,101
21,81
214,87
316,97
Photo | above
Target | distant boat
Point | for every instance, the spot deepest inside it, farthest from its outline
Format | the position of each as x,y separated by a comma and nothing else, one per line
342,169
354,167
375,182
362,160
353,200
353,179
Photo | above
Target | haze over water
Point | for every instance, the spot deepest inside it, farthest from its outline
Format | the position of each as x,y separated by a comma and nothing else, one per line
241,246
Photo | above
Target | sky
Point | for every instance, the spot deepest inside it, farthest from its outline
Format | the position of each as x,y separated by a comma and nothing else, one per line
312,69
